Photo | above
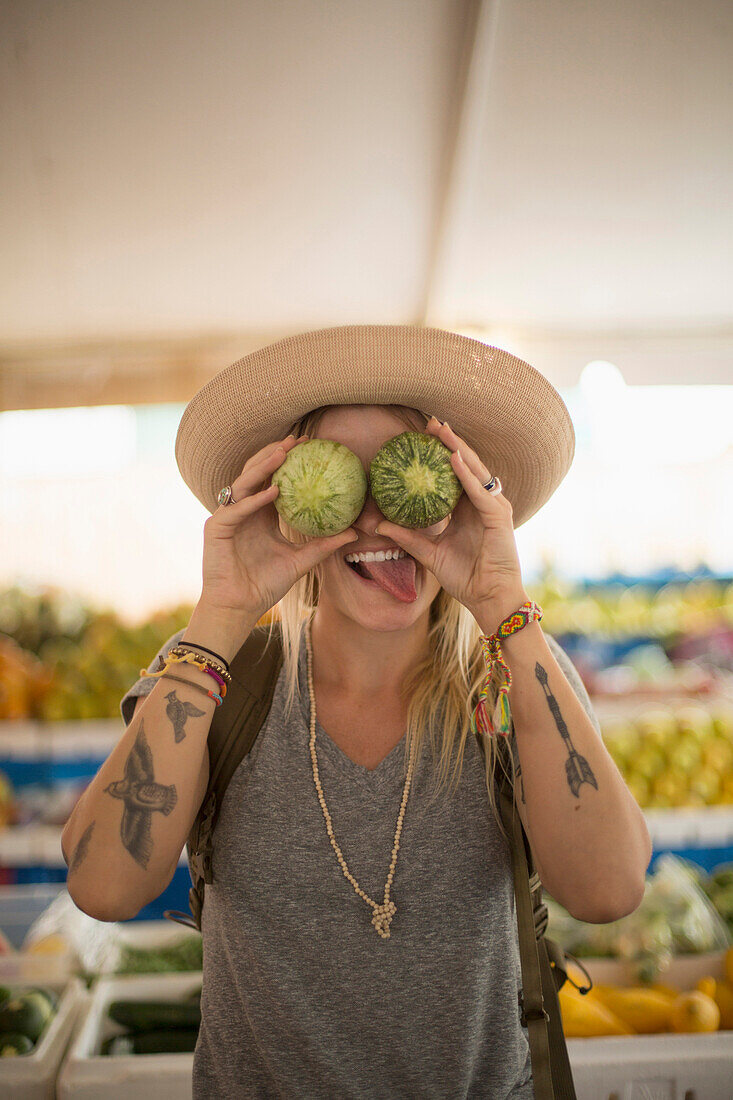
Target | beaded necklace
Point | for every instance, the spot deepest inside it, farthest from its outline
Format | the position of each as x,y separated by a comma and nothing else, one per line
383,913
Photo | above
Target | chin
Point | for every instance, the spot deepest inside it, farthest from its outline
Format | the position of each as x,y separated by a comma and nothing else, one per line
376,609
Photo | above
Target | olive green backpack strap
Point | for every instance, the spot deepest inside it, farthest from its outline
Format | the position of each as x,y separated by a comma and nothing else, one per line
233,732
543,963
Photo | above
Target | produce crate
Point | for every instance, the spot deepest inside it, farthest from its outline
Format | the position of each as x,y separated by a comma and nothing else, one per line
89,1075
33,1076
662,1067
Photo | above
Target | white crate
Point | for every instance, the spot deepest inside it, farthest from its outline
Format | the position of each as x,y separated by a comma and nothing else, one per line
653,1067
88,1075
33,1076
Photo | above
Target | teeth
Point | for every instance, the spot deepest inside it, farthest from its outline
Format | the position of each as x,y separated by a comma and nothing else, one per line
380,555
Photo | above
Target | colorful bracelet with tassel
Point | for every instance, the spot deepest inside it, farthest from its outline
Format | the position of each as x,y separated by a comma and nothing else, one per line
498,675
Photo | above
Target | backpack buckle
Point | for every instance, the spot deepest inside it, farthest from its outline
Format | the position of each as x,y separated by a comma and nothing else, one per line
536,1012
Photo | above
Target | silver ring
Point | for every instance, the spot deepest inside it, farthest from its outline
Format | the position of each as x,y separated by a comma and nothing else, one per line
493,486
225,496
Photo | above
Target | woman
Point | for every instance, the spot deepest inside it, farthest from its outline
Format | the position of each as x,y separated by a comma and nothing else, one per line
322,979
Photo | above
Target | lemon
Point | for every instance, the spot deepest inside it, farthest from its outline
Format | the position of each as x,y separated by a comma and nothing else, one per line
694,1011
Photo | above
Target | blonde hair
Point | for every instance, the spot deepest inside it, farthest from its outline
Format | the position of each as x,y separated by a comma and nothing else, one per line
443,689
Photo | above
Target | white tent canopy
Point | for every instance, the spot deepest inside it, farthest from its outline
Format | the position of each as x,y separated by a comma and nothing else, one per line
184,182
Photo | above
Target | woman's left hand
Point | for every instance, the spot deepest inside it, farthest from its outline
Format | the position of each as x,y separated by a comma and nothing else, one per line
474,558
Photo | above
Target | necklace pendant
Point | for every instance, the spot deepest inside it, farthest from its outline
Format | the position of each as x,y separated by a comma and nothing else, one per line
383,916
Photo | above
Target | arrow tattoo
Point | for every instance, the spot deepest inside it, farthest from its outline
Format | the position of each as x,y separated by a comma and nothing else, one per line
577,768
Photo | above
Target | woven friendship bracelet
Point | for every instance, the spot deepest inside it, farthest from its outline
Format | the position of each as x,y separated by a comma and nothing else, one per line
499,674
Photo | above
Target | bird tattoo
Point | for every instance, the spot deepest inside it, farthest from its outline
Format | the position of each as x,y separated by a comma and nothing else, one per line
178,712
141,796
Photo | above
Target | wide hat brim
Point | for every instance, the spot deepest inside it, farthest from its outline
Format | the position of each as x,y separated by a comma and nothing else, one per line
505,409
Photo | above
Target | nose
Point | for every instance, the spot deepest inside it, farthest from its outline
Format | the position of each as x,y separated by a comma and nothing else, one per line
369,516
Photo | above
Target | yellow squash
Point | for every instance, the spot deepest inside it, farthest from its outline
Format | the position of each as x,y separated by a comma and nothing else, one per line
583,1017
645,1011
694,1011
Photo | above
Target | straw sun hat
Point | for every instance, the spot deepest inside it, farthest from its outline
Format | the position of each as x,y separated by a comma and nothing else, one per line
504,409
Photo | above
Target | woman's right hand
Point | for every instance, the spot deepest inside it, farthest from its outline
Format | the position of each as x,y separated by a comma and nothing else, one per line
248,564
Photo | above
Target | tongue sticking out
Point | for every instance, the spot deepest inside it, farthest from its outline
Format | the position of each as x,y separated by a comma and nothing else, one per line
396,577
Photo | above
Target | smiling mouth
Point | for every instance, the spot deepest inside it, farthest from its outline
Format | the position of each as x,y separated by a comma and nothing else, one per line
399,583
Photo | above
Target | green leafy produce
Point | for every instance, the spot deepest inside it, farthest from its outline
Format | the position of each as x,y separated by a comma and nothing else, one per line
322,487
412,480
183,954
13,1043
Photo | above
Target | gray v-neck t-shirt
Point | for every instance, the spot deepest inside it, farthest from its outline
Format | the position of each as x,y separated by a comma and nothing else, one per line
302,998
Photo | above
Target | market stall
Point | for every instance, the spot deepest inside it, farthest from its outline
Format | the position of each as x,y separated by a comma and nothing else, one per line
656,654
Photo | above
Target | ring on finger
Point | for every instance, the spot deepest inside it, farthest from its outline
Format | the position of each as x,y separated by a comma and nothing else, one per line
225,496
493,485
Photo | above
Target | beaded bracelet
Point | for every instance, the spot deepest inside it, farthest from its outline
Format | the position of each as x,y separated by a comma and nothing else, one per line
197,645
499,674
179,651
190,683
196,659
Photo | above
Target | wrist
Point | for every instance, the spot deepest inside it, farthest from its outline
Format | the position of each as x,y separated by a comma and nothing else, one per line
492,613
221,631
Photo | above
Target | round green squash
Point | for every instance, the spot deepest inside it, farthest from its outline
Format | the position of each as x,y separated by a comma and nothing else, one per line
412,480
322,486
26,1013
13,1043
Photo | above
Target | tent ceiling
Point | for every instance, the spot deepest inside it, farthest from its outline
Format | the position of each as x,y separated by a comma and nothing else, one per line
188,181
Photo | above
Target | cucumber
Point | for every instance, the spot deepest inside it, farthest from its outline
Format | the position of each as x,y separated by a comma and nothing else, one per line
412,480
154,1015
177,1041
12,1043
323,486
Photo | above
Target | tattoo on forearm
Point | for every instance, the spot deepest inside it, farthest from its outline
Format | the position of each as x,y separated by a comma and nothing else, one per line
141,796
77,857
577,768
178,712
